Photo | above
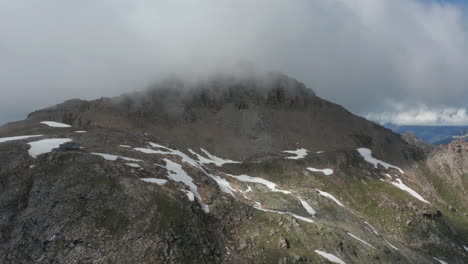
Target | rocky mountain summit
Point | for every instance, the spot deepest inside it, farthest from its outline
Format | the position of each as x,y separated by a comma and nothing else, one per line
224,170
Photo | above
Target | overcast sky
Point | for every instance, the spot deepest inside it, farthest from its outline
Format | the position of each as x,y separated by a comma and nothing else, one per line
404,61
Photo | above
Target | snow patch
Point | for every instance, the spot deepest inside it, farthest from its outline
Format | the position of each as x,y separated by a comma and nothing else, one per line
6,139
270,185
330,257
465,247
360,240
45,145
306,206
113,157
80,131
154,180
189,195
211,158
300,153
325,194
305,219
367,155
54,124
133,165
124,146
440,261
373,229
405,188
324,171
176,173
392,246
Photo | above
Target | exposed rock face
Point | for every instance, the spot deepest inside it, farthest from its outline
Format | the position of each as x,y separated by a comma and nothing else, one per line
411,139
198,174
458,147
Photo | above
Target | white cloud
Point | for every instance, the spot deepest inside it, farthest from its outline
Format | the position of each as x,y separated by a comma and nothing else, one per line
423,115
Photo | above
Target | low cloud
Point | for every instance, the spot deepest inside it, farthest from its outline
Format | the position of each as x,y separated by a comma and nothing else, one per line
358,53
422,116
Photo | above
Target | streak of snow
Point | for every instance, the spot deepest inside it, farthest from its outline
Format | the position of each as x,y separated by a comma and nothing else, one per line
54,124
330,257
373,229
133,165
189,195
440,261
270,185
357,238
465,247
325,194
405,188
320,151
124,146
45,145
154,180
211,158
113,157
367,155
308,208
80,131
392,246
300,153
305,219
324,171
6,139
176,173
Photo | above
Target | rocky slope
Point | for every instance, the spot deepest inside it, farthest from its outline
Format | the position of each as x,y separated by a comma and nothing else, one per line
252,170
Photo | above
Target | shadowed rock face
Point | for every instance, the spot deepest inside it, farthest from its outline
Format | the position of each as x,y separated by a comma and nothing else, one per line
239,117
136,193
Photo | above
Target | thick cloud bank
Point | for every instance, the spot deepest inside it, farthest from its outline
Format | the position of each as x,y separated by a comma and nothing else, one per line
364,54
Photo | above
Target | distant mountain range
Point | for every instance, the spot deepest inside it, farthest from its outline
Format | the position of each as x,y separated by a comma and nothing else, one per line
431,134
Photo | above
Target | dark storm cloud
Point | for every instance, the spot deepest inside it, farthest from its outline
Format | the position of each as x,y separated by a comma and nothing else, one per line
383,59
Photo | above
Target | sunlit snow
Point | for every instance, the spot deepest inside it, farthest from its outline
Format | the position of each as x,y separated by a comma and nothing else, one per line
54,124
373,229
80,131
176,173
405,188
154,180
367,155
113,157
271,185
324,171
392,246
6,139
133,165
211,158
45,145
305,219
300,153
330,257
124,146
308,208
325,194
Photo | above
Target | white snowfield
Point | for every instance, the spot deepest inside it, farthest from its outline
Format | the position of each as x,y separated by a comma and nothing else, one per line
405,188
154,180
54,124
360,240
176,173
330,257
440,261
325,194
300,153
113,157
45,145
324,171
211,158
367,155
6,139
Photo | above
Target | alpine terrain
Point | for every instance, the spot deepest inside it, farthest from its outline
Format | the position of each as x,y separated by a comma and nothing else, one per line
226,170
